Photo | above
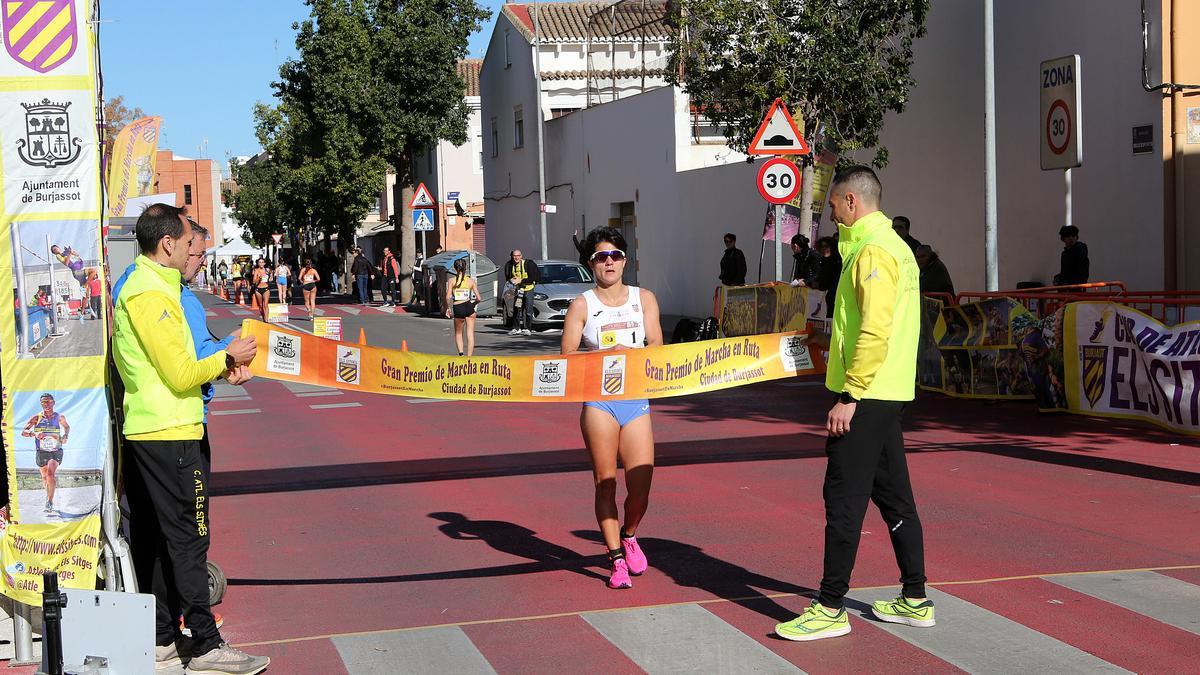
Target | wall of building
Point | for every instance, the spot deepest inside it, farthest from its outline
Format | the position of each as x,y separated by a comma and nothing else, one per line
1182,158
174,174
461,169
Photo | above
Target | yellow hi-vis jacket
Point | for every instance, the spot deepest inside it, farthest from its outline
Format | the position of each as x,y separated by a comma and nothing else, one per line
156,358
876,315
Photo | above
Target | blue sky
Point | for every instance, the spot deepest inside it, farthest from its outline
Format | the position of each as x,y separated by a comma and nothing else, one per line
203,65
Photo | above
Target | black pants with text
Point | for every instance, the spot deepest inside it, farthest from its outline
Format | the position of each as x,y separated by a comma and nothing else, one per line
167,486
867,464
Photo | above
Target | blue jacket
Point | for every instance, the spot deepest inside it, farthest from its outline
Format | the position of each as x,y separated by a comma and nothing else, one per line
193,311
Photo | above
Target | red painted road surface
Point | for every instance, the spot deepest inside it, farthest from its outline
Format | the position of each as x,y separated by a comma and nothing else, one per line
385,513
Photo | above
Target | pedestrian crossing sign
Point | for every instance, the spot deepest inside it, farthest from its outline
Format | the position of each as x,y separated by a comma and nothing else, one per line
421,198
423,220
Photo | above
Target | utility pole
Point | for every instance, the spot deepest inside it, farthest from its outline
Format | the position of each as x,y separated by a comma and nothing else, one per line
991,262
537,69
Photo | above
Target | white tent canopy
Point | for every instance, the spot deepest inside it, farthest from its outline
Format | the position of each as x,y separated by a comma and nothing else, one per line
235,248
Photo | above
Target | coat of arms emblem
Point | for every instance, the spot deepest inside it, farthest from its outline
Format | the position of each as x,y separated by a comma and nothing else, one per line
40,34
48,140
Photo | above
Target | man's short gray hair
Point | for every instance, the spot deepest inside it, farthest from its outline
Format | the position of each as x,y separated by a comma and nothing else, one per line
198,228
860,180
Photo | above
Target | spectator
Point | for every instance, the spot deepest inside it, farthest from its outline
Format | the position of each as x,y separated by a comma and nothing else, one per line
901,225
935,278
806,262
1074,267
166,470
733,263
523,275
585,256
831,271
364,274
390,267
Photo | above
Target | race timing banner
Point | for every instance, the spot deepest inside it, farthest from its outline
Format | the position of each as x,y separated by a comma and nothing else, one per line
53,341
1122,363
652,372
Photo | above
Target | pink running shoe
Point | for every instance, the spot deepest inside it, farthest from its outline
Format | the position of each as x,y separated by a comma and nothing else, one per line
620,575
635,556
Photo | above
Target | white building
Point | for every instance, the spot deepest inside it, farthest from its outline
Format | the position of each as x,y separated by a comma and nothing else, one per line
644,162
454,176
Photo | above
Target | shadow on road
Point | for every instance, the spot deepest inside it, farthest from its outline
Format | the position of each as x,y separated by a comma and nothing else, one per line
688,565
514,540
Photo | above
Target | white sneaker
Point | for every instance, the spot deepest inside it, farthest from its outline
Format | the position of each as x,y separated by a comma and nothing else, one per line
226,660
526,332
515,331
167,661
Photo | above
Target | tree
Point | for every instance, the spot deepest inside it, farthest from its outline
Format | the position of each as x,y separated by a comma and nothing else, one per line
116,116
418,96
841,63
329,172
258,202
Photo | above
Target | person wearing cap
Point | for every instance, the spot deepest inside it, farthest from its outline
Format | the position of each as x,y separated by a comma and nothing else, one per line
1074,266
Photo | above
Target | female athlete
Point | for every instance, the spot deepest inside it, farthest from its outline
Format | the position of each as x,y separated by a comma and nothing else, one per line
262,286
309,278
461,298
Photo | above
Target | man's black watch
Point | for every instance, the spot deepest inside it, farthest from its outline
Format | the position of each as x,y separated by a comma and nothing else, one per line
846,398
229,362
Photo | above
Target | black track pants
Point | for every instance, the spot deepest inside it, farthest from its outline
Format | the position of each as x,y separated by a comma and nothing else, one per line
867,464
167,486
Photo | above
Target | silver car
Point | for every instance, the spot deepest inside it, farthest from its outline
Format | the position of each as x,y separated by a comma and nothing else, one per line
561,281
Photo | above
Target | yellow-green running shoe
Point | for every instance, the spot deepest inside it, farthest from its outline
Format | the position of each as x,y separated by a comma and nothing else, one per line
815,623
901,610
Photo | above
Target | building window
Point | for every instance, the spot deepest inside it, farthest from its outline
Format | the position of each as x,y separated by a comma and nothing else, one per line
507,55
495,138
477,147
705,132
518,127
187,195
556,113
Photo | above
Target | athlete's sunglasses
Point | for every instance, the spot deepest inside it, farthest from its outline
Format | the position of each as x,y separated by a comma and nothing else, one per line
616,255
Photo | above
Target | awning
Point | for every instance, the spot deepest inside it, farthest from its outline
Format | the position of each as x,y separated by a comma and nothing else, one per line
235,248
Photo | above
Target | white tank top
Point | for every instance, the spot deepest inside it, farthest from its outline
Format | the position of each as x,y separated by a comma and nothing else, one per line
608,327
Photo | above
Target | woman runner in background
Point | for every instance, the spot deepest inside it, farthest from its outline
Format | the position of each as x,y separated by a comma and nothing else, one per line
261,283
613,316
461,299
308,284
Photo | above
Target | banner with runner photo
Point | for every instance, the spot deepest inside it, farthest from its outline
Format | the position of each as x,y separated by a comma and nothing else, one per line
1125,364
652,372
971,351
768,308
53,342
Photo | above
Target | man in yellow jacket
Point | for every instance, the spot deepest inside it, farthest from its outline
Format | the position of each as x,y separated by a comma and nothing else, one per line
873,371
166,471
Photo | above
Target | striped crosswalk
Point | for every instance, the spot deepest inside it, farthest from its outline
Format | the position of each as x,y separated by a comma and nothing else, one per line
694,638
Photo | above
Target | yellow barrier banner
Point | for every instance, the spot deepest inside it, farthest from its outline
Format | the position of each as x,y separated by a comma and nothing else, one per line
135,153
651,372
768,308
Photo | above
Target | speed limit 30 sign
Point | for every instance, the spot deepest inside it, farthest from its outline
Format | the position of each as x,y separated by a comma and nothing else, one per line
778,181
1060,127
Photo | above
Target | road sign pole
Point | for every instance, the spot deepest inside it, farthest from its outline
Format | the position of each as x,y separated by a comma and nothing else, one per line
1067,179
778,242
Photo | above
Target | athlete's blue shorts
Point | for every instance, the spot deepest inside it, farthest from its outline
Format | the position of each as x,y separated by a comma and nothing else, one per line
623,412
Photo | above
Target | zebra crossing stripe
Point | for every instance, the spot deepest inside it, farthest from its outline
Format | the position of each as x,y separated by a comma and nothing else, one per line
432,651
980,641
1158,596
683,639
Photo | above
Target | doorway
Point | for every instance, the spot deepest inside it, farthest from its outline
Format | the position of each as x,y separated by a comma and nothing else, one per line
625,221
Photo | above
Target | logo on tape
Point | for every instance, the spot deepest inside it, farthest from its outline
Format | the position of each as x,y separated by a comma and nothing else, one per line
348,365
48,140
550,377
612,383
794,354
283,353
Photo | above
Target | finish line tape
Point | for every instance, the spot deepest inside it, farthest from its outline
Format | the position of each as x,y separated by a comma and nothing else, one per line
651,372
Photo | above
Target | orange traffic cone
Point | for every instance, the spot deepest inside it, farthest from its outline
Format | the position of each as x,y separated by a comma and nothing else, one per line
253,301
239,299
404,345
362,336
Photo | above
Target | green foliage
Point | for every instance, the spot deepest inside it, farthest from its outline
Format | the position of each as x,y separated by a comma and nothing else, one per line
841,63
257,203
373,81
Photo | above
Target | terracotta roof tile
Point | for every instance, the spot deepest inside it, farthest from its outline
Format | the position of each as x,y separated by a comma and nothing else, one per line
468,70
568,21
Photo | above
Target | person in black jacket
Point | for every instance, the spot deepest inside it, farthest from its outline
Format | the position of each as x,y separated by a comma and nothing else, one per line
806,265
935,278
1074,267
523,275
831,271
364,274
733,263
